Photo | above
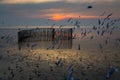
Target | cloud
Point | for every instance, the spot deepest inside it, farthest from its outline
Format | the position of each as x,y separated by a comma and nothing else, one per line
46,10
43,1
42,9
25,1
89,1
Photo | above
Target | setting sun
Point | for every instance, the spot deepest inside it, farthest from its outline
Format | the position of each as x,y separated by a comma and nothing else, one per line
57,17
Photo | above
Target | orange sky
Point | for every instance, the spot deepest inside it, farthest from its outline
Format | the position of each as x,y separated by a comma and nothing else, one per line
61,16
58,17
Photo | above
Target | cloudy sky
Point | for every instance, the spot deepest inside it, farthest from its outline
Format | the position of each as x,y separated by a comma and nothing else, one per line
37,12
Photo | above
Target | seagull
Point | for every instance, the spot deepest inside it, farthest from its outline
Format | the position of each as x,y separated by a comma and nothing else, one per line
94,28
111,71
98,32
107,26
102,33
79,47
101,47
89,7
33,45
99,22
77,24
91,37
69,19
59,63
70,73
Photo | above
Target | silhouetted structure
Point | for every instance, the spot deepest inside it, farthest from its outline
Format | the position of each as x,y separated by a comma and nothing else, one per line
45,37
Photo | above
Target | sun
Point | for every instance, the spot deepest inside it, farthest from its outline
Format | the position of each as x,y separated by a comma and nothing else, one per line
58,17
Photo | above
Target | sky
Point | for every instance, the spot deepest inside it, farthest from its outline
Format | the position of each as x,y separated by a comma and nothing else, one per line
46,12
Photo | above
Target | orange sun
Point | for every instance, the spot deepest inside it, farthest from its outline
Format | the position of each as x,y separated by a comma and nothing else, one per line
58,17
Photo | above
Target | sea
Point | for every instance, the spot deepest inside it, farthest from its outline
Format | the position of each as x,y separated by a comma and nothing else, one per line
82,35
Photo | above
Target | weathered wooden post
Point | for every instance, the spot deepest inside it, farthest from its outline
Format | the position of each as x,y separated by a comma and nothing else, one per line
44,35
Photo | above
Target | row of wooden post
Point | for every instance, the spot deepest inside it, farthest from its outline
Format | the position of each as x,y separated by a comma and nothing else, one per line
47,35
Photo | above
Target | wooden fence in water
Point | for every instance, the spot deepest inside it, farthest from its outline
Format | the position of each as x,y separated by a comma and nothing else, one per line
46,38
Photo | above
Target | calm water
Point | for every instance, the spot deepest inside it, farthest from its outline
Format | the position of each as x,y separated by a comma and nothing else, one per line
90,37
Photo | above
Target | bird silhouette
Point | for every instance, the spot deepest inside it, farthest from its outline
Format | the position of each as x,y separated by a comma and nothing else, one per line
101,47
111,71
79,47
89,7
59,62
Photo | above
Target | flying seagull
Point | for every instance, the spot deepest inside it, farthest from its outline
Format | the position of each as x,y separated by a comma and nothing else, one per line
89,7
